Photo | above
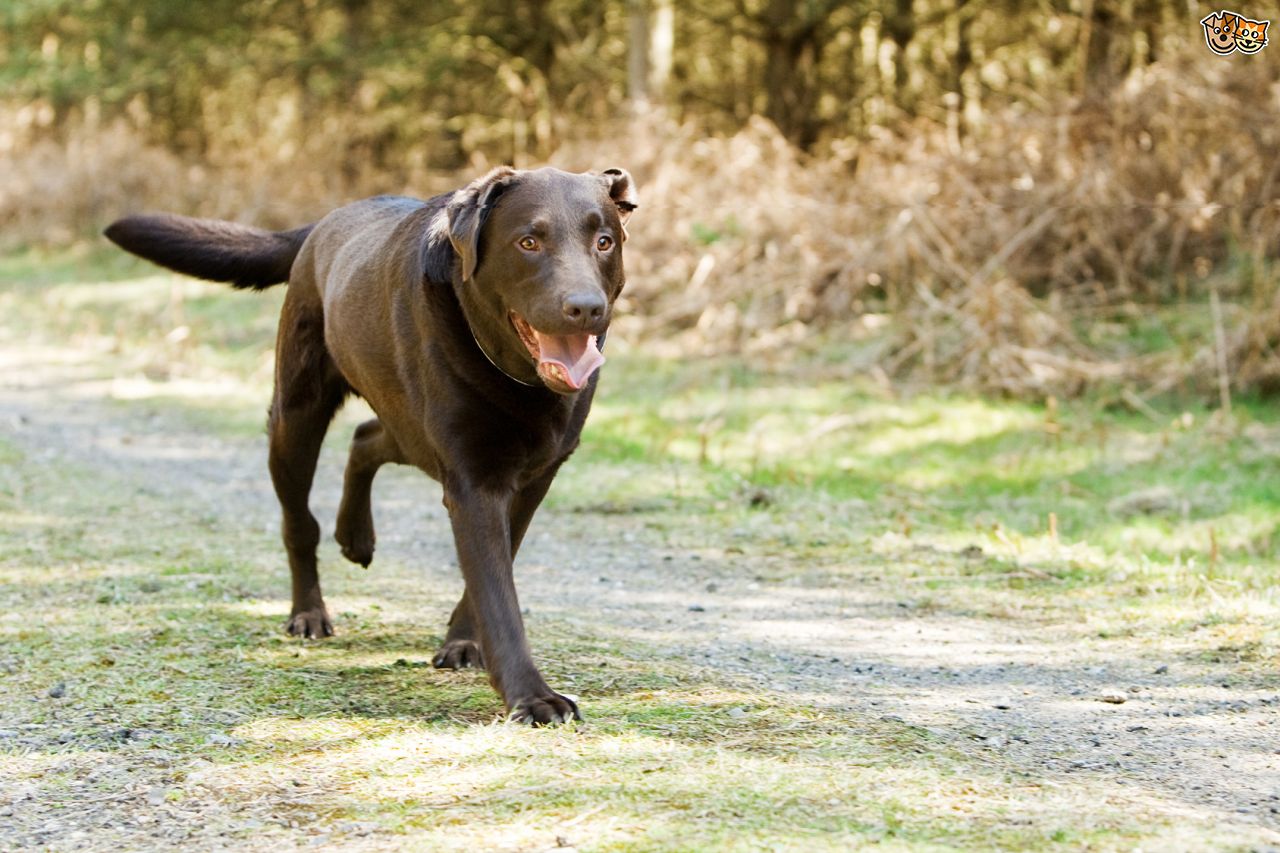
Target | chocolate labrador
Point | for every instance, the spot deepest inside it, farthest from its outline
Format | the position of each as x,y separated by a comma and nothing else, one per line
472,324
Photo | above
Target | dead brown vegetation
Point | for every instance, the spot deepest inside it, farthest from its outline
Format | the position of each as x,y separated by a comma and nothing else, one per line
1020,260
1030,257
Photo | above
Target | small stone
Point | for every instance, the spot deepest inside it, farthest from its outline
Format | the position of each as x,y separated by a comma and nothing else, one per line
697,608
712,586
1003,704
355,827
1113,697
219,739
58,690
737,713
1162,669
155,795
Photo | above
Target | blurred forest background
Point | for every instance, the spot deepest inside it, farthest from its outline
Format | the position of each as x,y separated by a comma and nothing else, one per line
1028,198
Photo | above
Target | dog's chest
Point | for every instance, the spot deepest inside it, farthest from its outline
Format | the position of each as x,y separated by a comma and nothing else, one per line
510,448
543,446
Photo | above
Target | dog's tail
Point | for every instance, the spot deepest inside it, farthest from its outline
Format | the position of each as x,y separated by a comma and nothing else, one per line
211,248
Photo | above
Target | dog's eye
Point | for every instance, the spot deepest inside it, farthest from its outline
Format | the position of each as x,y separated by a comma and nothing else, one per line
529,244
605,243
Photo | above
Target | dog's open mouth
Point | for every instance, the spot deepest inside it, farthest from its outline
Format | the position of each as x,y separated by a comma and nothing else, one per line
565,362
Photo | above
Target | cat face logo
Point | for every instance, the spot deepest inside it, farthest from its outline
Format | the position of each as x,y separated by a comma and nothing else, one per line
1220,32
1226,32
1251,36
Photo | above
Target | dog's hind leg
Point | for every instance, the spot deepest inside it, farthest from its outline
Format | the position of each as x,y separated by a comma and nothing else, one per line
309,389
461,646
371,448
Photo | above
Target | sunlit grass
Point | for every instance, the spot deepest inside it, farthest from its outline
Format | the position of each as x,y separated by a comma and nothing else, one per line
946,467
163,619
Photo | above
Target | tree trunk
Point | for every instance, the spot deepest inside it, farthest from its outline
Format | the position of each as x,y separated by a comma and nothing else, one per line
900,24
792,46
1100,67
962,57
540,41
638,37
662,40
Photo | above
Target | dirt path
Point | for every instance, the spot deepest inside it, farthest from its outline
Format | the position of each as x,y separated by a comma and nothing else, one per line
1185,738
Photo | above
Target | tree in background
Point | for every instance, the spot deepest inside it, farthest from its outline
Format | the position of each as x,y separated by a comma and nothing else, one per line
513,78
1001,175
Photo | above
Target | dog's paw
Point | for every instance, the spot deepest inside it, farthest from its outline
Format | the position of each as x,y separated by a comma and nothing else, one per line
459,654
550,709
356,541
310,624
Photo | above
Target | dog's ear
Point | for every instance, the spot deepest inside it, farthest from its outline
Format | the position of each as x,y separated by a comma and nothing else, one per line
468,210
618,182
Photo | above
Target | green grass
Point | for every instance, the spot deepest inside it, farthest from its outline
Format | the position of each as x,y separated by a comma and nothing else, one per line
773,450
163,619
167,635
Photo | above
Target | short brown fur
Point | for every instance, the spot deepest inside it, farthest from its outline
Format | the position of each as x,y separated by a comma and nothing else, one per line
407,303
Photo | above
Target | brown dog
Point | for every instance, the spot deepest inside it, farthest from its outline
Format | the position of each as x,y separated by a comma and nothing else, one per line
471,322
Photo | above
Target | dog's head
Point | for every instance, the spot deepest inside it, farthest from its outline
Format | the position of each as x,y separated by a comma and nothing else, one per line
1220,32
540,265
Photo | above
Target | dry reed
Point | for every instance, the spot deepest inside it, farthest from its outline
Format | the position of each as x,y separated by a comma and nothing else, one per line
997,263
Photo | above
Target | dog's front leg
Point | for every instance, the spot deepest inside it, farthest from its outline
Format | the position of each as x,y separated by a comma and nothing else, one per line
482,533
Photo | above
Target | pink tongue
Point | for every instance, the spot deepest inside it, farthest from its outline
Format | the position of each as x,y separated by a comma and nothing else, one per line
576,355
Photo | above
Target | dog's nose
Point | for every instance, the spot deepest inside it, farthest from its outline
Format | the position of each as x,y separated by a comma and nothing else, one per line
584,308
